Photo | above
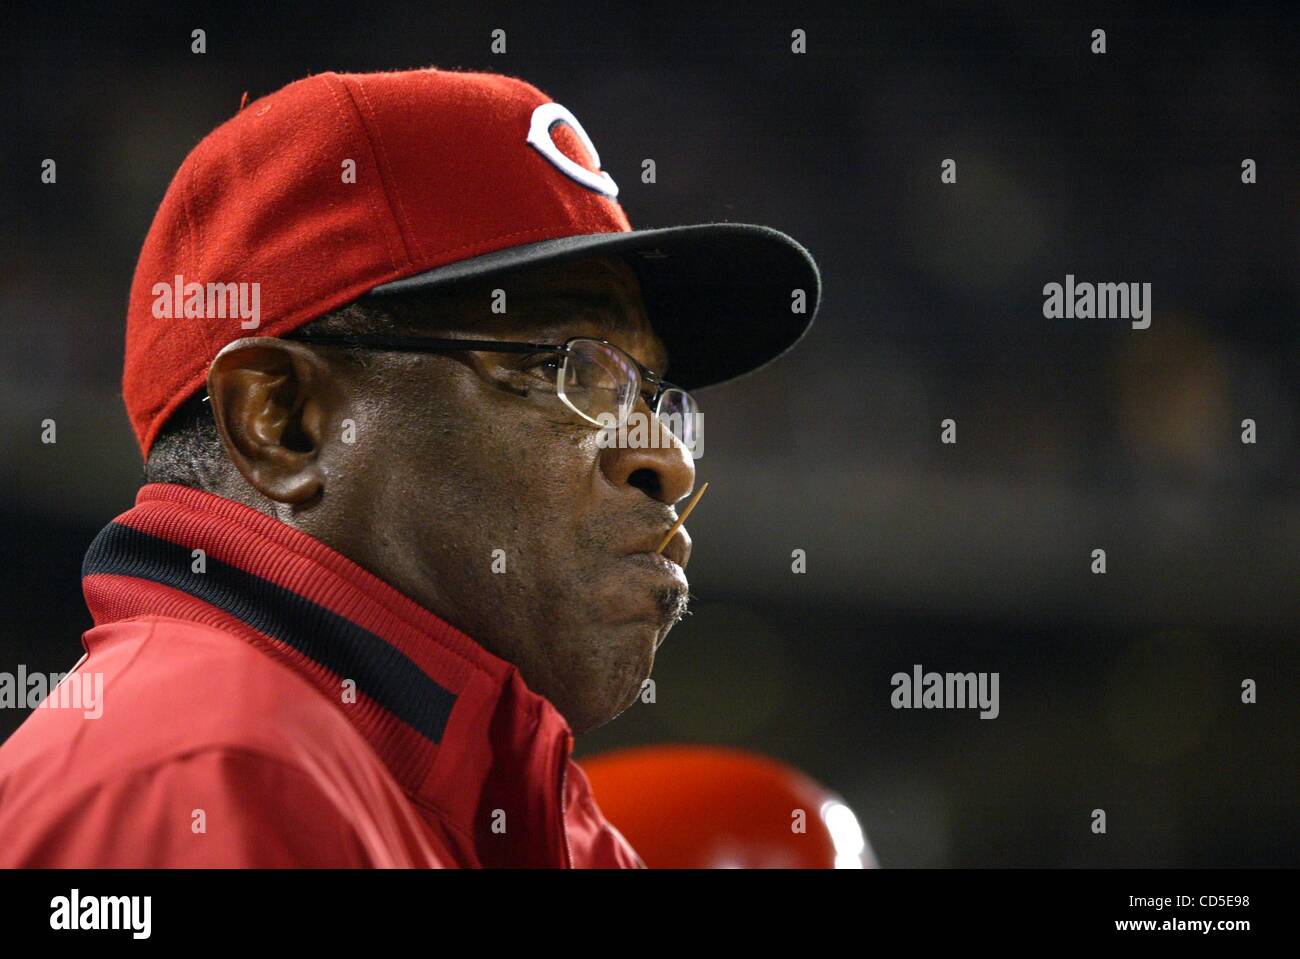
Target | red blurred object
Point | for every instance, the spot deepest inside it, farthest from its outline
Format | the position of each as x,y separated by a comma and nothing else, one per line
703,807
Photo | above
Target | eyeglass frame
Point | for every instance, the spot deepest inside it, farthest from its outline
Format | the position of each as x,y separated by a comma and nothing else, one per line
419,344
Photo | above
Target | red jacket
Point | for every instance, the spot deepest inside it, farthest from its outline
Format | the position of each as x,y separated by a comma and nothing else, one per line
270,703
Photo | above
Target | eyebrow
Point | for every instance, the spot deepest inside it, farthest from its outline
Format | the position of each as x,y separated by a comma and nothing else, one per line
601,310
562,309
551,312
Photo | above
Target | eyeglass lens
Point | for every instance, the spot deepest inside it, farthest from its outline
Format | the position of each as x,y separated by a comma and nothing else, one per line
602,383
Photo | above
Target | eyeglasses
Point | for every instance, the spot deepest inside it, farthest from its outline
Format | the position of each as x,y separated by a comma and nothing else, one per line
593,378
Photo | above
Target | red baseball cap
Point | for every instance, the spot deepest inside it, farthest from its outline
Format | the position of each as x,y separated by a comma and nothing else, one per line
343,186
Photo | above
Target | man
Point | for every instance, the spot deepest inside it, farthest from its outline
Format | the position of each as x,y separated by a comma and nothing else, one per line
387,562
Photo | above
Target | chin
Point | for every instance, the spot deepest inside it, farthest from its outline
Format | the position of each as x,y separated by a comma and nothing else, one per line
626,683
628,702
635,595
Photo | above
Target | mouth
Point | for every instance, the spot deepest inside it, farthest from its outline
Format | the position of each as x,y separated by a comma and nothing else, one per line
662,566
664,574
668,589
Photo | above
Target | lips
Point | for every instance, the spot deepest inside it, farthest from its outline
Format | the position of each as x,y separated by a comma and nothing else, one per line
678,550
665,571
669,568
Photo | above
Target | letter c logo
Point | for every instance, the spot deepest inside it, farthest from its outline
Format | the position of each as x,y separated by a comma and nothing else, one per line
545,119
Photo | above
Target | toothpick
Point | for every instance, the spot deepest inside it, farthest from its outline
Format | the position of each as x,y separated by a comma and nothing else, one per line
682,519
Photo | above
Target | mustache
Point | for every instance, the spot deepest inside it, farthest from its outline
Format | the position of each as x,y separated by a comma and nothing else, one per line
614,532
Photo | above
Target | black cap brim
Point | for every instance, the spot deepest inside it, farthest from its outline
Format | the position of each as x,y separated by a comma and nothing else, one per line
721,295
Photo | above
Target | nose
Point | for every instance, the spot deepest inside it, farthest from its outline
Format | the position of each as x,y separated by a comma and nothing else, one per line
650,459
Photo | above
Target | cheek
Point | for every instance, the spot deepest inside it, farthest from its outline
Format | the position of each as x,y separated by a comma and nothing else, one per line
539,503
484,470
545,478
540,449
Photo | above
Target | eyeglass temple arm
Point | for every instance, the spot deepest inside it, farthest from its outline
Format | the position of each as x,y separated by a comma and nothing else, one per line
422,344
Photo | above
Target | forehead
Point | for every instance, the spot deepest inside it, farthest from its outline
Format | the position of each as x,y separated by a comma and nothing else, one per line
593,296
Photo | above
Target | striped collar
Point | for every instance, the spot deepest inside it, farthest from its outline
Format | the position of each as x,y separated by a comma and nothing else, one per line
455,725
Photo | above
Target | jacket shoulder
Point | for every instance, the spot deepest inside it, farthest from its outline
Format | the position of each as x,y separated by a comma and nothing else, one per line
185,724
219,807
153,687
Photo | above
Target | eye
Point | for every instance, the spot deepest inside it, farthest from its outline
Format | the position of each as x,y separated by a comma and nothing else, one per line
544,366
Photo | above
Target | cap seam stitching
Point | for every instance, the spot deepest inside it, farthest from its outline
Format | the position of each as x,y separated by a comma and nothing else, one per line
195,239
409,238
370,200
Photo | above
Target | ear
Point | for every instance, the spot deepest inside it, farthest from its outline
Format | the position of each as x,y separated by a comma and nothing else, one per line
271,400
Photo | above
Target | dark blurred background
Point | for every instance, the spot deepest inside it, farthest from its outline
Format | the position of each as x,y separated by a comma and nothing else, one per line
1119,691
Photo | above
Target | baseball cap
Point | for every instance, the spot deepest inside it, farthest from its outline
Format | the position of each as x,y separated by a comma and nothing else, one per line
343,186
